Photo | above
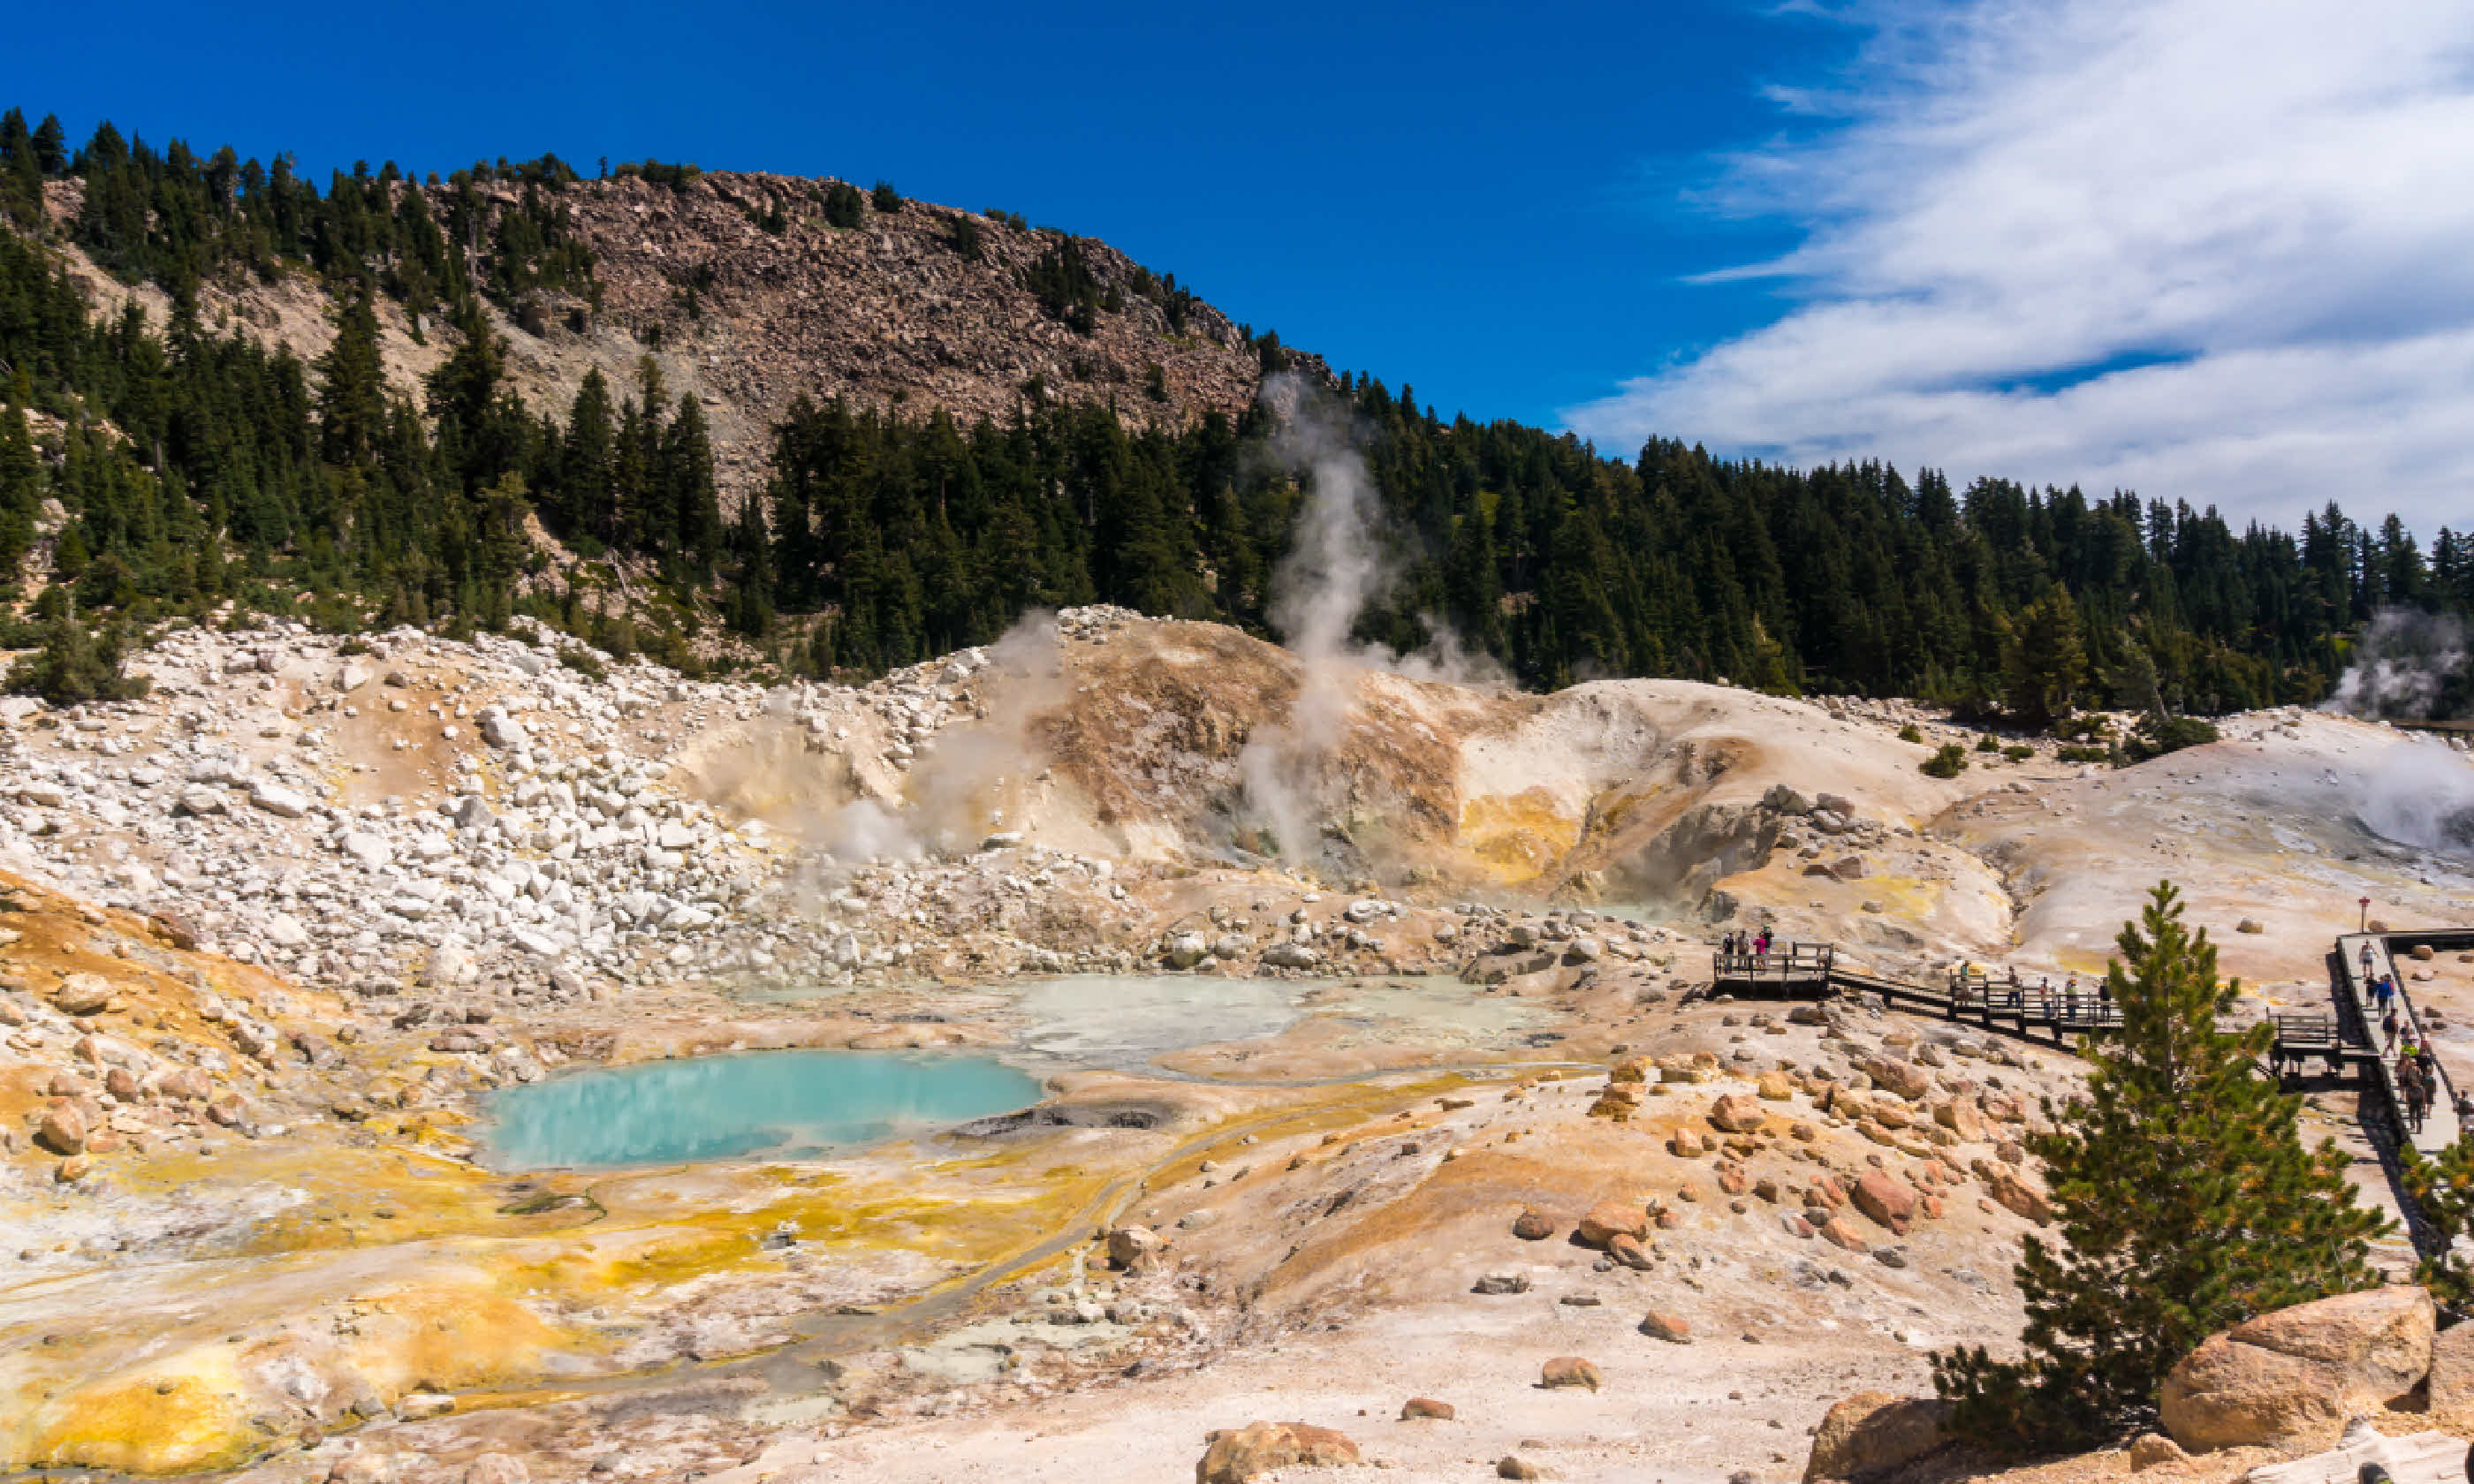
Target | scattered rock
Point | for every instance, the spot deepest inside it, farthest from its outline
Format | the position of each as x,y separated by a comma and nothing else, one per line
1532,1225
1570,1371
1667,1327
2154,1451
1737,1113
1608,1220
1239,1454
1426,1408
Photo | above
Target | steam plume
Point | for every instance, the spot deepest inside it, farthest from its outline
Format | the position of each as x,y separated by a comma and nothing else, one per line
2408,665
1335,568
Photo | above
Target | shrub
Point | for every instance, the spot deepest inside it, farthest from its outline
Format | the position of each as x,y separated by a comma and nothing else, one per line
2018,753
1986,744
583,663
1948,763
2158,735
2081,753
75,666
885,198
1909,734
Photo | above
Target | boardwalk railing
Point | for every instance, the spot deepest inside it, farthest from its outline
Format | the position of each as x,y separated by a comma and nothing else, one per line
2361,959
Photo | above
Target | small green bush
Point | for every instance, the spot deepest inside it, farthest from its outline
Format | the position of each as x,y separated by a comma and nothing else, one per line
1986,744
1948,763
1909,734
2080,754
583,663
2018,753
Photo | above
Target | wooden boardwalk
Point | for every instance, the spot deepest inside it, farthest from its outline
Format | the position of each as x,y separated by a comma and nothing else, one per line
2348,1040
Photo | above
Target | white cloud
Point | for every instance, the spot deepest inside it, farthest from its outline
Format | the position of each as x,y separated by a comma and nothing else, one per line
2270,201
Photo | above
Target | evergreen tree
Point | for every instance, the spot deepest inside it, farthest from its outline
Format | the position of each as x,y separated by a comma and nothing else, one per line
2045,662
20,491
351,394
2444,1188
2186,1204
75,666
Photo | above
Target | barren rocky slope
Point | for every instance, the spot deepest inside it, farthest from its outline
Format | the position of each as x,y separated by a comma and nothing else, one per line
1420,1106
891,314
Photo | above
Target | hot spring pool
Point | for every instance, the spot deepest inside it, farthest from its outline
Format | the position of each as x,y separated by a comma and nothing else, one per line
783,1104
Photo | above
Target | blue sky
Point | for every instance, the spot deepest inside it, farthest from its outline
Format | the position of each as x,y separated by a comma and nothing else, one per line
2209,250
1476,200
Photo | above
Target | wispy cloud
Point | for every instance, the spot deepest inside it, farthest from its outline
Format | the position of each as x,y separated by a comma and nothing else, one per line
2220,250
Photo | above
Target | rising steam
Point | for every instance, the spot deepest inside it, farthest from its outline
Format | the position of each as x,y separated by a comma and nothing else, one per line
1336,565
2408,666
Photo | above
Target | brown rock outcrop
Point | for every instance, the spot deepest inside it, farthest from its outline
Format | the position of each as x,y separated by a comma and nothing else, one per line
1240,1454
2295,1376
1872,1433
1610,1220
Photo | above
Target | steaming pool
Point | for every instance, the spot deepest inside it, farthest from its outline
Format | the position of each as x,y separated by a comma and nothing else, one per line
779,1104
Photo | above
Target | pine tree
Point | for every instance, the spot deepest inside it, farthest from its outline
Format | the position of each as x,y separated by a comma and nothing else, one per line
351,397
2186,1204
2045,662
74,665
20,491
2443,1188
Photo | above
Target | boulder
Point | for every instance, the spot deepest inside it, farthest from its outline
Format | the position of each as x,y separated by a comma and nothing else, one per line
1498,1285
1135,1249
2297,1375
1240,1453
1610,1220
1512,1466
1532,1225
1667,1327
63,1129
83,995
2452,1369
1629,1251
281,803
1904,1078
1960,1118
2022,1198
2154,1451
368,1466
1570,1371
1886,1200
1426,1408
1872,1433
1739,1113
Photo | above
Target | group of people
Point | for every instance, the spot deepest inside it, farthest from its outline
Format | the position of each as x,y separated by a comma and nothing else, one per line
2418,1071
1736,943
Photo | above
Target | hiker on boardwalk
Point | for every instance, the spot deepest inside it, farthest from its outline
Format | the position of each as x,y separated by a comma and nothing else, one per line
2383,991
2413,1090
2367,957
2387,1028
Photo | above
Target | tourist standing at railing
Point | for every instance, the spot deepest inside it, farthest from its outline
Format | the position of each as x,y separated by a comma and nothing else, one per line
2416,1092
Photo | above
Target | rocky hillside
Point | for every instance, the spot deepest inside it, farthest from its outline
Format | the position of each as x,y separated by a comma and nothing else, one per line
741,293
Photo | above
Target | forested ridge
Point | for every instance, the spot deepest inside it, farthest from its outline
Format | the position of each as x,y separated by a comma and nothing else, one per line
194,468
